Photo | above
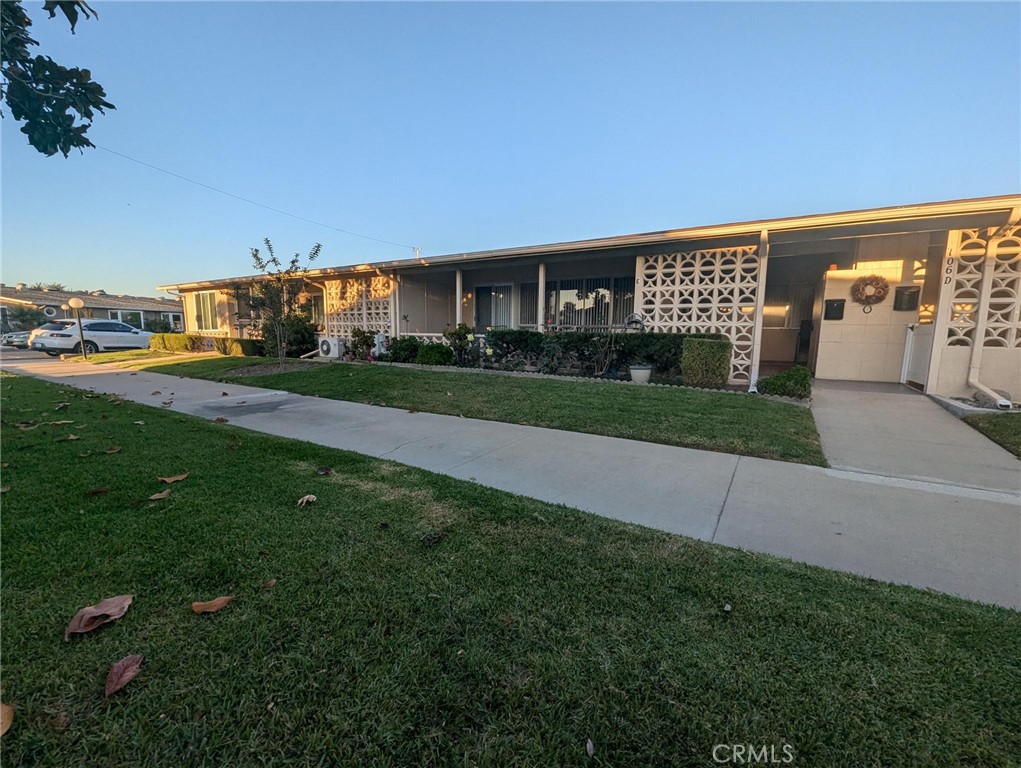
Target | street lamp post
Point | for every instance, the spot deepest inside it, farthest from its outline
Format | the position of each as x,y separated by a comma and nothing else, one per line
65,307
76,304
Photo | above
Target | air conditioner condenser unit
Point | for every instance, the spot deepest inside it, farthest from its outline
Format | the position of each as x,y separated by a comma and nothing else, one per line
331,348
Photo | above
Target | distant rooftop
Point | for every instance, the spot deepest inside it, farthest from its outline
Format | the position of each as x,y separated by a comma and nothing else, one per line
20,295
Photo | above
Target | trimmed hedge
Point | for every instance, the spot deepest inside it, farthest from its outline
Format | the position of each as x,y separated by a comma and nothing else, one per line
238,347
178,342
431,353
705,362
404,349
794,382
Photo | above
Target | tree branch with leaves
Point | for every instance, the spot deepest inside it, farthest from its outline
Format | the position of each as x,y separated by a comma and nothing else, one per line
56,104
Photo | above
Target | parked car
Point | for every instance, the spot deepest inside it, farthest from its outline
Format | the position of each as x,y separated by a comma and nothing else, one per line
52,325
100,336
16,339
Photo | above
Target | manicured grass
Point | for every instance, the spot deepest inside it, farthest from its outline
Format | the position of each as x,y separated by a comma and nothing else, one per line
422,620
1003,428
713,421
124,356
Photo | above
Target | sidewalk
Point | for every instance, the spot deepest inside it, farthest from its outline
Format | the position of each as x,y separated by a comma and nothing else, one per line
937,535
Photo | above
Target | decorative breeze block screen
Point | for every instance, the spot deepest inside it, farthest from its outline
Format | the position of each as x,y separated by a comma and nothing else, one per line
709,291
358,302
1003,310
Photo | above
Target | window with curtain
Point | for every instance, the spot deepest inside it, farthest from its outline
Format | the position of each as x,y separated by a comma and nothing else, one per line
205,311
528,301
591,302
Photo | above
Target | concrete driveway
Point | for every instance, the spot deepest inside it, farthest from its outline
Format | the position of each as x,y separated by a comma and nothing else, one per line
932,534
894,431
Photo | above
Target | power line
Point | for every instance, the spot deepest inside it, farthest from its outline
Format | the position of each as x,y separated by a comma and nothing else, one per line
251,202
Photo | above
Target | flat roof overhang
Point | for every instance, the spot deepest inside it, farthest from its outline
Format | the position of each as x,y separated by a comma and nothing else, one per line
952,214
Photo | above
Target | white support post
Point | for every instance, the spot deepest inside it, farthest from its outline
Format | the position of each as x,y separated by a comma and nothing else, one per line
459,303
944,300
760,300
540,310
395,310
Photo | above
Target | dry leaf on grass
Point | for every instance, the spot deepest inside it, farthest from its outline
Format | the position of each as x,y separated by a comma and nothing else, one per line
5,464
25,427
61,406
92,616
590,748
5,488
308,499
122,673
269,584
84,454
113,449
58,423
97,491
412,411
6,717
160,495
72,437
213,605
324,471
233,446
139,423
174,479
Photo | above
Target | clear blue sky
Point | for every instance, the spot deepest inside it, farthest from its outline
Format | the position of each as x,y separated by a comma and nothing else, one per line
466,126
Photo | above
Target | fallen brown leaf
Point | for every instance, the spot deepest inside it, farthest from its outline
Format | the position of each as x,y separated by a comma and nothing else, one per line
269,584
233,446
72,437
139,423
58,423
97,491
157,392
324,471
113,449
5,464
60,406
307,499
220,420
160,495
122,673
5,488
26,427
213,605
174,479
6,717
412,411
225,394
92,616
60,721
84,454
590,748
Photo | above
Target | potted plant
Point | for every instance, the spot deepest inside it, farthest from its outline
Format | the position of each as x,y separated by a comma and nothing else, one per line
639,355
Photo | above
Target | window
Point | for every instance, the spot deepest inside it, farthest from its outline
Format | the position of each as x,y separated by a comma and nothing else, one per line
174,318
493,306
205,311
528,305
591,302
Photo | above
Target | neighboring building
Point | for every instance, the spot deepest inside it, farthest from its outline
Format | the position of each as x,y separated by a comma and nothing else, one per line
138,311
780,289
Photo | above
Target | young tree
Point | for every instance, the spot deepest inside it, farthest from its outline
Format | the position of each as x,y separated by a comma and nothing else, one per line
275,296
55,103
25,318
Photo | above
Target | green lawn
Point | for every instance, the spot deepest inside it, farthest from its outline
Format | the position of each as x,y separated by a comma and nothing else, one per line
713,421
422,620
1002,428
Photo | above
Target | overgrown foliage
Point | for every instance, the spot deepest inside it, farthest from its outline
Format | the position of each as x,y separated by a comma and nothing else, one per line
234,347
706,362
25,318
794,382
362,343
56,104
278,297
403,349
300,333
159,325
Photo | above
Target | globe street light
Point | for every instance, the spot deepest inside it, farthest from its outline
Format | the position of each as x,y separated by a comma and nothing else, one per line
76,304
64,307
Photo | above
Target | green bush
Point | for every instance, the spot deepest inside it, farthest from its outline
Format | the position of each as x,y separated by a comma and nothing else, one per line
362,342
159,325
457,339
238,347
705,362
794,382
404,349
299,333
431,353
177,342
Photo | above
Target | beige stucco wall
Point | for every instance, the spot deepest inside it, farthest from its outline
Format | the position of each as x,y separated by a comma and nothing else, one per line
1001,369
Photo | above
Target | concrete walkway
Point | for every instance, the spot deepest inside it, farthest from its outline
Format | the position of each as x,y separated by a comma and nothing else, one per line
946,537
890,429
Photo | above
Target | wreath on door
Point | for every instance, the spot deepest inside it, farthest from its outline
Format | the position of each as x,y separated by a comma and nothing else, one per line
870,290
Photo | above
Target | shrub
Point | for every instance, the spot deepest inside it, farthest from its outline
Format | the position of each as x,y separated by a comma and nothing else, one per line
159,325
705,362
404,349
238,347
794,382
299,335
432,353
362,342
178,342
458,340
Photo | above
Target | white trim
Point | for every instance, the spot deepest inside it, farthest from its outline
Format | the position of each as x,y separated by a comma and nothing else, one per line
540,316
948,274
760,300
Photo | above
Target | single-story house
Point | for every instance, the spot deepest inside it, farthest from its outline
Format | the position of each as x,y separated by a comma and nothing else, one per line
138,311
928,294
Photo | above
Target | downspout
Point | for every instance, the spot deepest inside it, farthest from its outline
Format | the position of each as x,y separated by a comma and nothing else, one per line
978,342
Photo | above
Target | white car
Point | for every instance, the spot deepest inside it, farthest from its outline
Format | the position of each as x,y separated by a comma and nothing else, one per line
16,339
100,336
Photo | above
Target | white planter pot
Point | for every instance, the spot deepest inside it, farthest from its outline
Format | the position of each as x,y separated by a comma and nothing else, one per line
640,373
